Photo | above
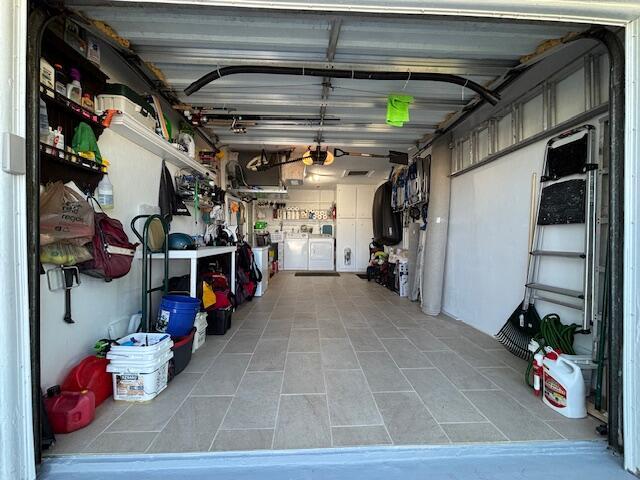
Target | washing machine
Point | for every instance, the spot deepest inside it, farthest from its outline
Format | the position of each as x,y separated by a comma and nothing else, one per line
321,252
296,251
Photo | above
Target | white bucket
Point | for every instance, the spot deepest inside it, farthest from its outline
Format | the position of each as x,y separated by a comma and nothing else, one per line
155,345
139,381
201,331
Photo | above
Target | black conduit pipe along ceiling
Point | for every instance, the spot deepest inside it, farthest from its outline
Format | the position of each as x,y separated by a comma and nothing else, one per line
484,93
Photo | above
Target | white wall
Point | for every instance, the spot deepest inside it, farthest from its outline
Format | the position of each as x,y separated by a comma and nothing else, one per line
487,247
135,175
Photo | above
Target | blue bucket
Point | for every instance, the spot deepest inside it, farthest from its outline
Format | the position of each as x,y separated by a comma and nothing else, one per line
177,314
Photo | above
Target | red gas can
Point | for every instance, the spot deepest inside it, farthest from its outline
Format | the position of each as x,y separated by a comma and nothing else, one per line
69,411
90,374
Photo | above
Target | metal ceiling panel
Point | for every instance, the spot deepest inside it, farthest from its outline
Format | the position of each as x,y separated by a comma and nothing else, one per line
606,12
186,42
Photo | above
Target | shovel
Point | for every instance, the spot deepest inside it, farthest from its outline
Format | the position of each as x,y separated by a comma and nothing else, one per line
400,158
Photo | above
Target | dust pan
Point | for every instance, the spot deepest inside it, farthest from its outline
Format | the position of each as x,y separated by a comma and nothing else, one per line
398,109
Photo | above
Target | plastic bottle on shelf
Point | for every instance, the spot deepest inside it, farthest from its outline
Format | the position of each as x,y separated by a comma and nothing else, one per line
58,141
44,123
105,193
87,102
60,80
74,89
47,76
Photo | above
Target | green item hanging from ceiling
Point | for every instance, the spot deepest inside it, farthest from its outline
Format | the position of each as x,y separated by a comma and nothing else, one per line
84,140
398,109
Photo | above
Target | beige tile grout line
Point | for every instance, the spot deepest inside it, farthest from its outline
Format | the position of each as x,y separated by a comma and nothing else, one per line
499,388
367,381
239,383
194,386
493,389
286,356
494,425
131,404
410,384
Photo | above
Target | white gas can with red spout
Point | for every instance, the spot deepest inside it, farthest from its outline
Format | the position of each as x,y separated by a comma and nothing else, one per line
563,386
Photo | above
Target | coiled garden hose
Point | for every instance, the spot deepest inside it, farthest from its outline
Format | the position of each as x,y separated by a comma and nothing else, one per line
555,335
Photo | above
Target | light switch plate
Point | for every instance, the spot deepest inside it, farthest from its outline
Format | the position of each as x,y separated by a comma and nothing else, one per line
14,155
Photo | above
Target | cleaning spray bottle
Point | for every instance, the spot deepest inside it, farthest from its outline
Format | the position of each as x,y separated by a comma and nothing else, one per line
537,373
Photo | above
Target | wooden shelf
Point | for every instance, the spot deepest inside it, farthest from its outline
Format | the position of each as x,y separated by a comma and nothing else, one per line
128,127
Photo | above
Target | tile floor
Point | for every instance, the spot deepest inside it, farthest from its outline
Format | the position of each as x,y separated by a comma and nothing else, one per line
333,361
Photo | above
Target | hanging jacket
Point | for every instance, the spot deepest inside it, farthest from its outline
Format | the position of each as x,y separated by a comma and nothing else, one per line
168,202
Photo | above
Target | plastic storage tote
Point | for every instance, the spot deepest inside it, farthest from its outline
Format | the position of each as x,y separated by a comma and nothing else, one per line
122,98
219,321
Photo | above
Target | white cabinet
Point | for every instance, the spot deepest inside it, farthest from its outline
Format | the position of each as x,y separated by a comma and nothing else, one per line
346,201
364,200
364,234
354,228
346,245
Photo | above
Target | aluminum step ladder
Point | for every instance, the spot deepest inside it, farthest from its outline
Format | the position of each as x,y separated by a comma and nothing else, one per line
575,142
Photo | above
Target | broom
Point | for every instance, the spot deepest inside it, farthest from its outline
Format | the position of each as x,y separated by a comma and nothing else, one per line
524,323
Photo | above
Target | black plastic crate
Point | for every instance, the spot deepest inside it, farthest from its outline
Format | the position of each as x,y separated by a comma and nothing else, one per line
219,321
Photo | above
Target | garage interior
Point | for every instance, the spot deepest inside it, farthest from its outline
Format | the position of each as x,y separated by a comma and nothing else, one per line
336,360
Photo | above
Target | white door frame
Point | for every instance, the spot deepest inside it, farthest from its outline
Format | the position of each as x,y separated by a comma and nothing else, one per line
16,427
631,289
17,455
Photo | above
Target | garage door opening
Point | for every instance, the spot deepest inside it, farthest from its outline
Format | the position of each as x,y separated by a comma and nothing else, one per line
399,347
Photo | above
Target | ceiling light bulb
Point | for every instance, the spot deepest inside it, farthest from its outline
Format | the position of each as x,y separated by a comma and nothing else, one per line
307,158
329,159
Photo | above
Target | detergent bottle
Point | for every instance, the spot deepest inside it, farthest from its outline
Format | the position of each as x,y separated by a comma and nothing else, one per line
563,386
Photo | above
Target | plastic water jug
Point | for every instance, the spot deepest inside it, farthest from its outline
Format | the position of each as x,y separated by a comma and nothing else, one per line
563,386
105,193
